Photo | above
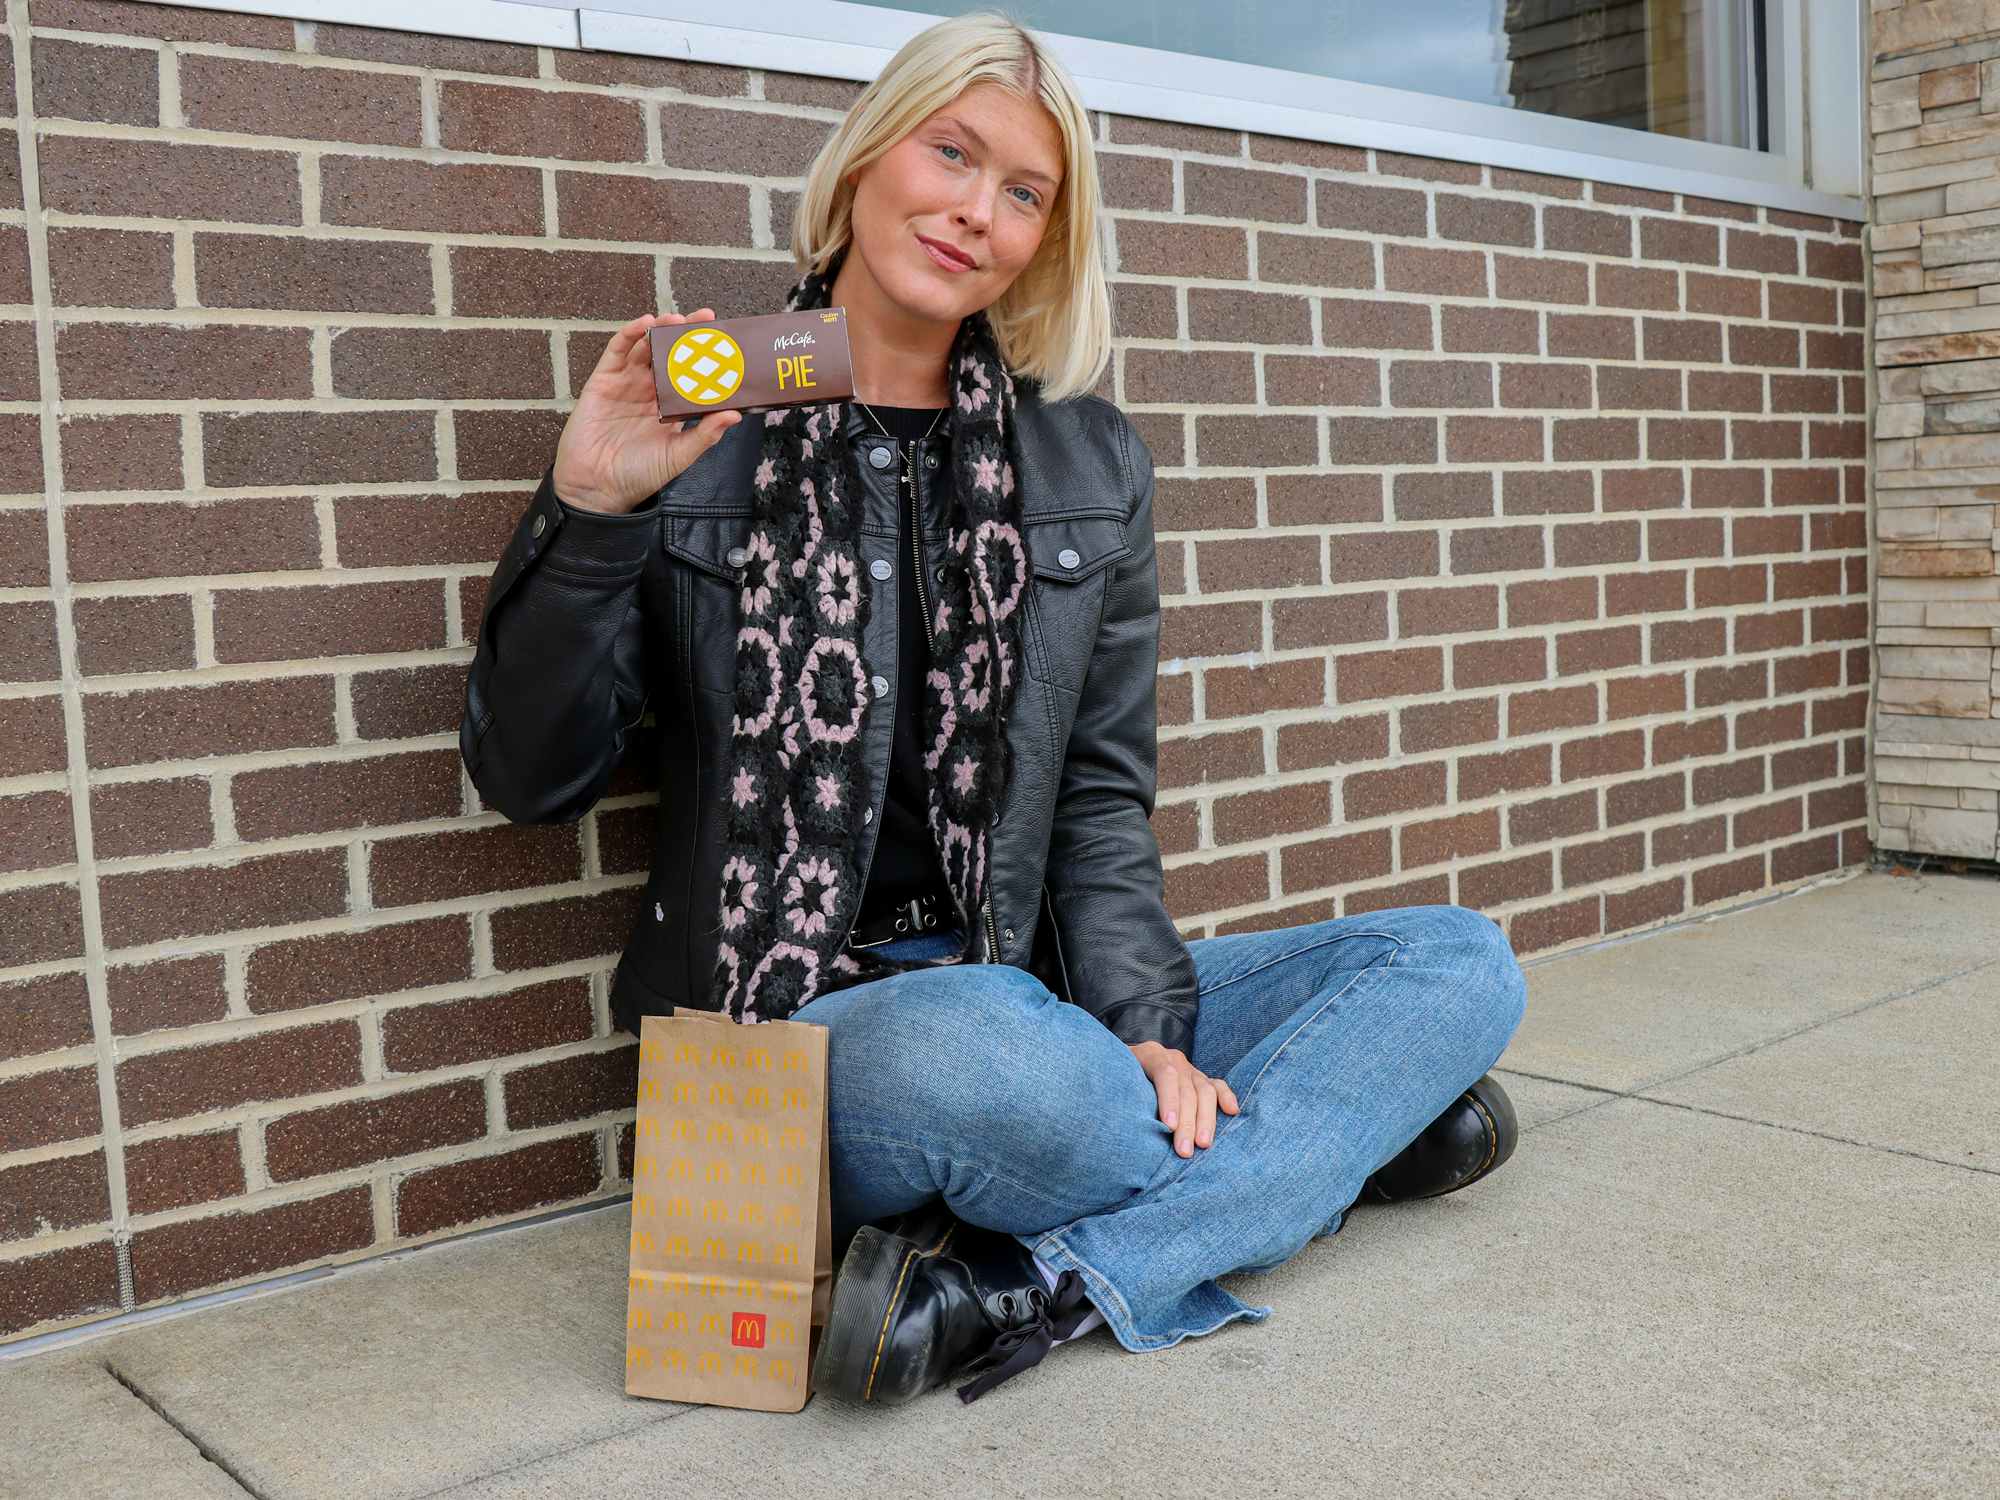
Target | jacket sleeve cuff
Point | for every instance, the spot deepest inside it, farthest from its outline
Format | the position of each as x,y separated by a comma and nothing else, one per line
590,542
1136,1021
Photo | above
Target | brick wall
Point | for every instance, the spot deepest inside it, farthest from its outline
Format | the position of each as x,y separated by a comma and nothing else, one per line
1935,114
1511,541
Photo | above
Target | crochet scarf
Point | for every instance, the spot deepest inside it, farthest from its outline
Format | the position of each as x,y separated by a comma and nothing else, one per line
790,883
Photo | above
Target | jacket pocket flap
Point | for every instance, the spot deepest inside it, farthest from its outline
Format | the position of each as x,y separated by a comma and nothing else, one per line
709,543
1072,548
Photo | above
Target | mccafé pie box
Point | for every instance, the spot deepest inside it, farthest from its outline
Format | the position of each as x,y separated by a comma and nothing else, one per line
742,364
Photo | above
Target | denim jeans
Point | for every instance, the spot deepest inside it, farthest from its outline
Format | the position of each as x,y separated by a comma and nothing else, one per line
1342,1040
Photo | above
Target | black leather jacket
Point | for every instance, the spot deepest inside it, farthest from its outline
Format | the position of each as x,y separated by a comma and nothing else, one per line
592,617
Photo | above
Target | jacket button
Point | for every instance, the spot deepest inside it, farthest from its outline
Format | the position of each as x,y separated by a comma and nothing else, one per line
879,568
737,556
1007,933
867,814
940,573
1068,558
880,684
541,525
930,460
879,457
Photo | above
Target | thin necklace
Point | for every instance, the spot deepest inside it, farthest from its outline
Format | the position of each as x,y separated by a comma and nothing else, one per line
910,456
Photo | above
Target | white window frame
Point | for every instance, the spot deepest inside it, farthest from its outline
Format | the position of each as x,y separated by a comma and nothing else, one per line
1817,109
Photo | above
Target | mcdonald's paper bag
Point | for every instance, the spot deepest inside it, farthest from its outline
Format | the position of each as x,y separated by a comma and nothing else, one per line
732,1224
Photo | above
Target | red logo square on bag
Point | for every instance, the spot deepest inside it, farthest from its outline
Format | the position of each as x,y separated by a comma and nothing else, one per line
746,1330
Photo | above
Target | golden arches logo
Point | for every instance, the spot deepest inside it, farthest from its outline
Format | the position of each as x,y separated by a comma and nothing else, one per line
746,1364
638,1318
642,1205
718,1133
720,1092
642,1242
684,1091
649,1051
678,1207
755,1174
673,1320
722,1055
688,1052
684,1130
792,1138
785,1255
797,1062
681,1168
747,1290
643,1165
649,1087
756,1133
757,1059
747,1250
648,1128
781,1369
713,1322
713,1248
788,1216
675,1244
782,1332
637,1357
718,1171
788,1174
756,1097
713,1209
753,1213
798,1097
709,1363
673,1359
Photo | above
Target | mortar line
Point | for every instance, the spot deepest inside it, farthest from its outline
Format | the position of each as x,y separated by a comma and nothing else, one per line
196,1443
77,765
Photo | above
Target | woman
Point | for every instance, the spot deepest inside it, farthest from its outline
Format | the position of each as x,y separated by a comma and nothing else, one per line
1045,1109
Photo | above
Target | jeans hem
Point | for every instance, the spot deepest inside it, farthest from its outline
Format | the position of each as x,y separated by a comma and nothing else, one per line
1107,1299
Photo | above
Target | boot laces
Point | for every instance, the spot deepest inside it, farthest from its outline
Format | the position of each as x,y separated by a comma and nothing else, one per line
1024,1343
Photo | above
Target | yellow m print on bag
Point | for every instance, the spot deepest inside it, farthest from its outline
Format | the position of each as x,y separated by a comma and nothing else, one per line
731,1267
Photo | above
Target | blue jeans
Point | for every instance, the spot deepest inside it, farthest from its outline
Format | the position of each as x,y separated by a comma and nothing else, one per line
1342,1040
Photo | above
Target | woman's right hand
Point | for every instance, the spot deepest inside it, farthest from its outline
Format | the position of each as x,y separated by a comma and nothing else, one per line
615,451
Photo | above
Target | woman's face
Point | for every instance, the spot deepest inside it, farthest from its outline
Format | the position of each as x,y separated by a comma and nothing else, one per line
980,176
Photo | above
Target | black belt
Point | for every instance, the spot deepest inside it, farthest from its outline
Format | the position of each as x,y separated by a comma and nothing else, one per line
926,913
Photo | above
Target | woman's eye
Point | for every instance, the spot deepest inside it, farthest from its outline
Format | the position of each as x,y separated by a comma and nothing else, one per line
1030,201
950,148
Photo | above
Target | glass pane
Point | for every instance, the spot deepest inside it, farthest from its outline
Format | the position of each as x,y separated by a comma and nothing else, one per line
1678,67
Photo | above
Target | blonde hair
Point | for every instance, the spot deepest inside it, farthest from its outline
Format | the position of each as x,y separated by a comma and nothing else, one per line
1053,324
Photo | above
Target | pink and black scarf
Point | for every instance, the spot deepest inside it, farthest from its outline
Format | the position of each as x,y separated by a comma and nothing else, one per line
790,882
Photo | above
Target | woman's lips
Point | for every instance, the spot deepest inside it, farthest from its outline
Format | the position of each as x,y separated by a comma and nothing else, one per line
941,258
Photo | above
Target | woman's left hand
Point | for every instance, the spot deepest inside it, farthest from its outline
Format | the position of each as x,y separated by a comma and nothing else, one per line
1188,1096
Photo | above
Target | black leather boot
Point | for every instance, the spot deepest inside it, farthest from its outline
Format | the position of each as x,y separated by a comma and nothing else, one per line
1469,1140
911,1310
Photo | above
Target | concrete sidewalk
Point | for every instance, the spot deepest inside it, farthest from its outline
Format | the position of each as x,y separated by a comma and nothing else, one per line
1746,1247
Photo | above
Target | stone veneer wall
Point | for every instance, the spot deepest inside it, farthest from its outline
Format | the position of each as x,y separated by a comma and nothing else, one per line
1934,101
1511,538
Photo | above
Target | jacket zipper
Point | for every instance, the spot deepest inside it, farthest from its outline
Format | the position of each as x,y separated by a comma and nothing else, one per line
989,929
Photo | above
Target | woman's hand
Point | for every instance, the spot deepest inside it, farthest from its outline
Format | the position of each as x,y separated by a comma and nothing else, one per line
1188,1096
614,450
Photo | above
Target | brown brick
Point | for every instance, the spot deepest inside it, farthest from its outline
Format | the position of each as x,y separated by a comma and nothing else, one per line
1681,640
198,1254
1589,544
149,906
1546,492
40,924
571,1088
1333,742
1166,247
1591,336
1672,439
1379,440
1774,820
1224,192
1448,725
1339,204
1388,674
1337,861
1752,344
183,1081
1217,883
1651,797
1679,240
1490,330
1558,817
1496,549
355,618
1545,385
508,1183
149,633
1488,885
1642,287
1640,697
1448,496
1641,489
1315,260
1221,376
1297,807
1199,503
151,817
1643,905
171,539
166,993
1385,555
1612,754
1374,794
1372,323
1792,303
447,1033
1534,278
1552,926
1440,383
44,1014
1306,380
1225,313
1258,441
1195,761
40,1109
1233,691
180,1171
1453,837
1606,859
1595,439
357,1132
1444,273
1722,390
1684,841
1267,562
1493,440
352,964
1548,601
475,197
1584,231
1733,487
77,1282
1211,629
136,178
1431,890
1727,296
28,642
1737,683
50,1196
1778,725
499,857
537,934
1446,611
324,795
1595,651
1809,857
1773,254
1481,776
1487,221
40,831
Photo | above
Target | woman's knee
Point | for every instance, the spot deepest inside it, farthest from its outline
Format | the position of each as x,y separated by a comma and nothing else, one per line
1496,988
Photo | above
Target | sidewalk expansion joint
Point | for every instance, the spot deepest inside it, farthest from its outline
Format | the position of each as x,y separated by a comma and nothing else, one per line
198,1445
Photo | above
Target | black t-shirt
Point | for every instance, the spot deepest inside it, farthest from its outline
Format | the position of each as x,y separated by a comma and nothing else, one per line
906,862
